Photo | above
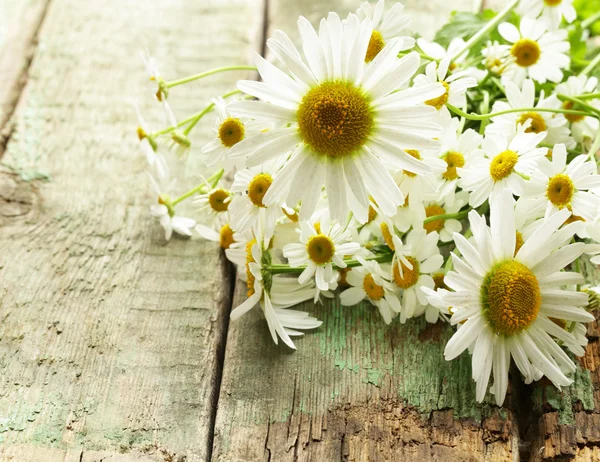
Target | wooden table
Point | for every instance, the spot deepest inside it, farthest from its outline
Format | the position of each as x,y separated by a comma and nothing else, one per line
117,346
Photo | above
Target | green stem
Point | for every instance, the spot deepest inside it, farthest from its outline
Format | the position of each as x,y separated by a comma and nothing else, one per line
205,111
590,67
283,269
594,147
191,78
462,113
591,20
212,181
488,27
589,96
580,103
446,216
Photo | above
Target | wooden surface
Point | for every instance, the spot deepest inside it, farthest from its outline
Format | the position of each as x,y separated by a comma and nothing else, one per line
116,346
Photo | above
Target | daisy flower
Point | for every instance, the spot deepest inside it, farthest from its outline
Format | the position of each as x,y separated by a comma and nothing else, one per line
549,11
151,66
275,294
438,52
216,201
508,302
581,126
164,212
224,235
556,185
502,165
535,53
424,258
507,124
370,281
319,250
229,131
340,118
149,146
247,209
445,227
496,57
386,26
456,85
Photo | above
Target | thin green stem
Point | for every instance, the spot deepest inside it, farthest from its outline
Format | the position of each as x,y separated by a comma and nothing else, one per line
591,20
212,181
580,103
590,67
205,111
191,78
282,269
483,32
462,113
594,148
589,96
446,216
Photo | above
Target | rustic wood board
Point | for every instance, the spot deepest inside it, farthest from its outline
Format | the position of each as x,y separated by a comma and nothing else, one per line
355,389
110,341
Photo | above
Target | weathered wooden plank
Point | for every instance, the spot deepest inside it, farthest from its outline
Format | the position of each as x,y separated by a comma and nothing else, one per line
355,389
19,23
110,340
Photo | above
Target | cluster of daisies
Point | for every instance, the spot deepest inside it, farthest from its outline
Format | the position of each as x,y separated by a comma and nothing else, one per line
455,181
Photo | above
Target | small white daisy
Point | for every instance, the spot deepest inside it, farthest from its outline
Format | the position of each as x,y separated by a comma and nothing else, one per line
555,125
341,118
556,185
223,234
164,211
581,126
319,250
549,11
508,303
534,53
495,57
216,201
502,165
154,74
445,227
149,147
370,281
424,258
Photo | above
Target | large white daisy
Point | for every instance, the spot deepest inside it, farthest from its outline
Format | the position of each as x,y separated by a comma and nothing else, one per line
509,303
341,118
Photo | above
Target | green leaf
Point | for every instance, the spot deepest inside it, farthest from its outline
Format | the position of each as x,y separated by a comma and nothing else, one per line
462,24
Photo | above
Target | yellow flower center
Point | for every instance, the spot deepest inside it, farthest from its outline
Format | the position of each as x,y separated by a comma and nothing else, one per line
573,218
335,119
218,200
141,133
552,2
453,160
226,236
503,164
249,259
518,242
374,291
320,249
435,225
440,100
568,105
258,187
387,235
409,276
526,52
231,132
538,124
417,155
511,297
560,190
376,44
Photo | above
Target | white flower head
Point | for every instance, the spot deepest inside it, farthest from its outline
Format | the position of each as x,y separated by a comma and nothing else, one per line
149,146
534,53
582,127
164,211
445,227
496,57
370,281
509,302
341,118
549,11
319,249
151,66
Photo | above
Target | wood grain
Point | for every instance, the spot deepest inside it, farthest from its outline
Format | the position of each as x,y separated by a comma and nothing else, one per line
110,339
355,389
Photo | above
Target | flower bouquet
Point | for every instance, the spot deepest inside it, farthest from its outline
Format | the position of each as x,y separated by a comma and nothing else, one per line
454,179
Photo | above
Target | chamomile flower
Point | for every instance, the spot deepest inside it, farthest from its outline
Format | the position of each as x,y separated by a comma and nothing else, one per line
556,185
247,208
445,227
319,250
502,165
555,125
386,26
496,57
456,85
223,234
549,11
275,294
581,126
154,74
341,118
424,258
508,302
370,281
229,131
535,53
216,201
149,146
438,52
164,212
